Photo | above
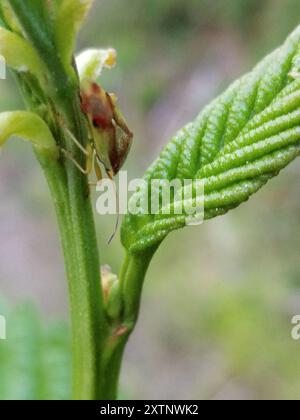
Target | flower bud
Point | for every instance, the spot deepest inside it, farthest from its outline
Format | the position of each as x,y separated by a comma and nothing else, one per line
111,292
90,63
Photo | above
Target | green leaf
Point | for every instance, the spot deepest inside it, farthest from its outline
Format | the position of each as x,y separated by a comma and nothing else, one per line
34,18
19,54
35,362
237,143
30,127
68,19
8,18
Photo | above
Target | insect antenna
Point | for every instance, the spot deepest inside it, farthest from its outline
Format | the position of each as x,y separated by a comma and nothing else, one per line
118,211
110,175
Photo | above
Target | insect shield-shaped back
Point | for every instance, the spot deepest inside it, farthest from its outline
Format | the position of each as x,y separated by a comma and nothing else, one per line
111,137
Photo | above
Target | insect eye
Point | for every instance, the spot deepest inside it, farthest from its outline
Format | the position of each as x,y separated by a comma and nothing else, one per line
95,123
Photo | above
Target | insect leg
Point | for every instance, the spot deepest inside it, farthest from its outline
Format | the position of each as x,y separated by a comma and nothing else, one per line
97,168
69,156
98,172
111,177
89,158
76,142
118,214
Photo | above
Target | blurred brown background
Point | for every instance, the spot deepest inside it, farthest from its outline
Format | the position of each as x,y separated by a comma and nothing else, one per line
218,301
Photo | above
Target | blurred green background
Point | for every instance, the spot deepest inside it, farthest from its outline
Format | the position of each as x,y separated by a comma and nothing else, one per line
218,301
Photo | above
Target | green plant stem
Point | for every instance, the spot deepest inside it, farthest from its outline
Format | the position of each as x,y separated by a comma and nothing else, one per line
131,279
90,328
98,344
82,266
70,192
112,358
